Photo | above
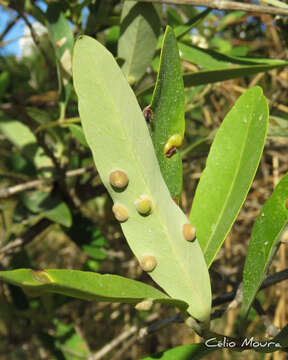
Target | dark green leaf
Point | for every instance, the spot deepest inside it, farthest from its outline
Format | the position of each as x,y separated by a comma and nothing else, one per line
264,241
60,214
168,106
278,127
49,206
77,131
70,342
87,286
24,139
173,17
186,352
94,252
231,166
282,337
212,76
212,60
182,30
4,83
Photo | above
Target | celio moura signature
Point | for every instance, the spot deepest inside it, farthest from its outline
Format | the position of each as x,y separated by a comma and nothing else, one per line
246,343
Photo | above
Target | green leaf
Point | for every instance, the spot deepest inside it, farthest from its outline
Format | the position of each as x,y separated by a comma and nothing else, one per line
230,18
264,242
19,134
182,30
212,76
219,67
35,201
53,134
60,214
277,3
48,206
211,60
140,27
221,45
282,337
78,132
94,252
173,17
168,106
278,127
112,37
61,36
70,342
4,83
118,136
87,286
23,138
231,166
186,352
205,58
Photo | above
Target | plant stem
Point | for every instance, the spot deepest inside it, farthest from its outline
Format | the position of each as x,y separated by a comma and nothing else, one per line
225,5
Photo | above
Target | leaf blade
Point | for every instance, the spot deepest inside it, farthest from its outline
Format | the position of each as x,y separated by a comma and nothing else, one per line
61,36
103,93
168,106
140,27
212,76
264,242
185,352
234,154
212,60
87,285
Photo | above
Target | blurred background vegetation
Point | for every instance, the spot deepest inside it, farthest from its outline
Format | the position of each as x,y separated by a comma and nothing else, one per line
54,211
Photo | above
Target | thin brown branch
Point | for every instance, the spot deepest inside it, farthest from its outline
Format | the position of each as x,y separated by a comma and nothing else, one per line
9,27
137,331
114,343
6,192
27,236
60,169
35,37
225,5
235,296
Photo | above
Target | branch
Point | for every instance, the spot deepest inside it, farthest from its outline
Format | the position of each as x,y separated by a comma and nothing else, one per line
140,333
27,236
225,5
6,192
114,343
35,38
9,27
269,281
235,296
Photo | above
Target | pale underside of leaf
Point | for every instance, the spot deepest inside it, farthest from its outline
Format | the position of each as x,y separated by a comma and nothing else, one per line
112,120
138,39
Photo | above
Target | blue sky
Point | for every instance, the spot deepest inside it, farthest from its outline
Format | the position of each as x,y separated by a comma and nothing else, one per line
17,31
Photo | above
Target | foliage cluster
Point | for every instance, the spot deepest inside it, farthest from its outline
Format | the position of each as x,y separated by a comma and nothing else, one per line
185,67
